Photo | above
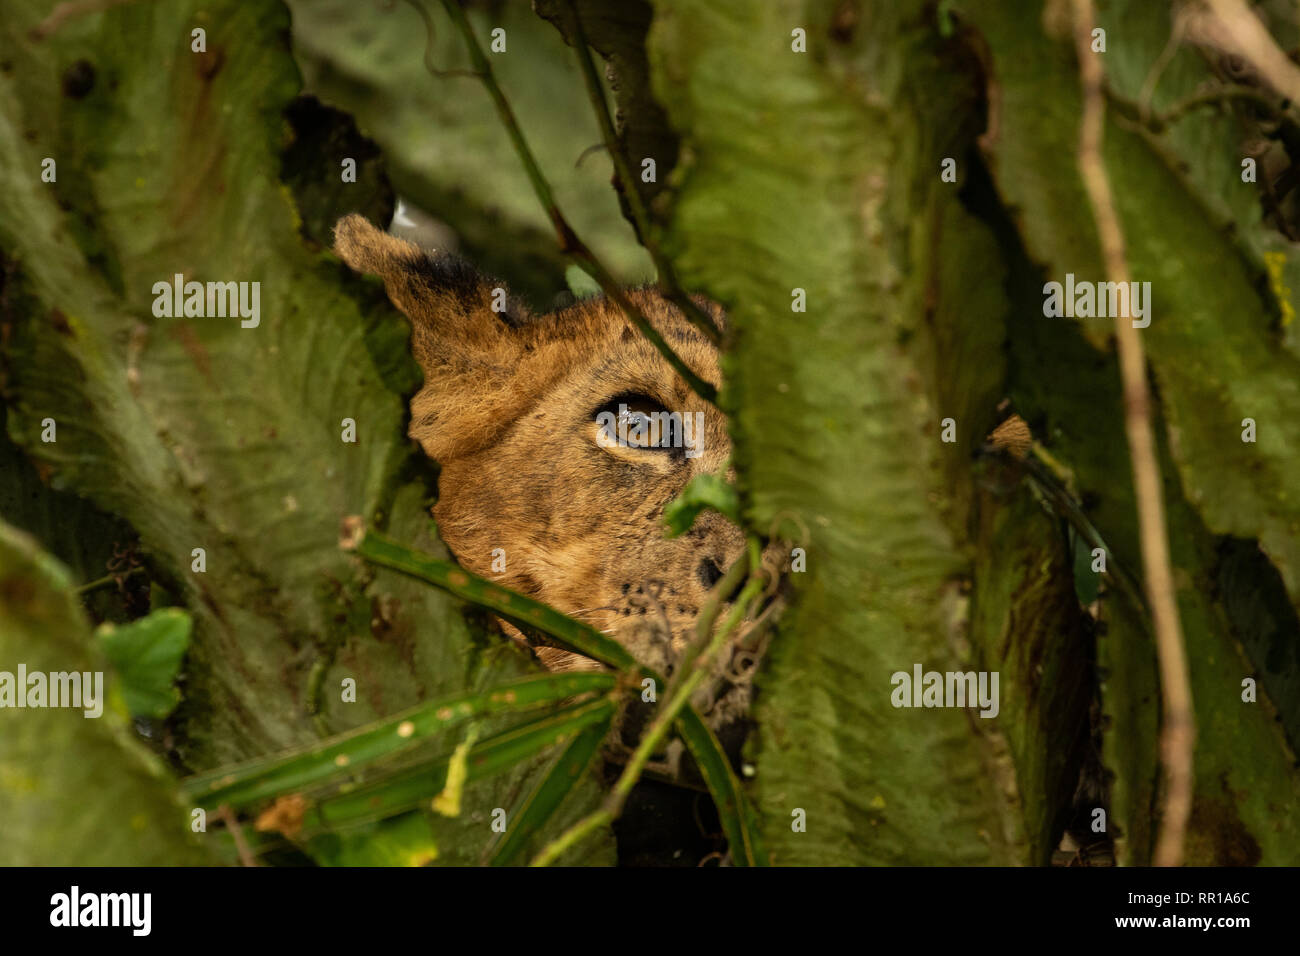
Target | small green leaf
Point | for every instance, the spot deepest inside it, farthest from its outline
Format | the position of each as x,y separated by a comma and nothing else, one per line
406,840
147,655
702,491
75,789
448,802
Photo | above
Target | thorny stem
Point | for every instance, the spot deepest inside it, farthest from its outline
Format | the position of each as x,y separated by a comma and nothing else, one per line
677,698
645,229
570,244
1178,731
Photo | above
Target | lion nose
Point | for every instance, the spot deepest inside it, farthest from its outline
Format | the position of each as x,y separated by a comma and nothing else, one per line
709,573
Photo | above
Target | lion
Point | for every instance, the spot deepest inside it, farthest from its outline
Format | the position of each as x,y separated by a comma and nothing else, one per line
516,408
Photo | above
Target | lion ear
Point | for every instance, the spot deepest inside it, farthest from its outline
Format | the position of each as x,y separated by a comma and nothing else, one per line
444,292
367,249
465,336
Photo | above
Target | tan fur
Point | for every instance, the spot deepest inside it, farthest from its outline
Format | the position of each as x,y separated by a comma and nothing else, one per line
507,410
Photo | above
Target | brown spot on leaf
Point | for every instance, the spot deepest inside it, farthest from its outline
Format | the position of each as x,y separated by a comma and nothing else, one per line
284,816
351,530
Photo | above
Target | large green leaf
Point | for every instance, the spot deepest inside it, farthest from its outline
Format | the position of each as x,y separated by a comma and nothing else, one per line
797,172
1218,356
1206,285
199,432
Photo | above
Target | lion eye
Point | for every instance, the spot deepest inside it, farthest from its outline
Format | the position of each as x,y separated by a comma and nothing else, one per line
641,428
633,421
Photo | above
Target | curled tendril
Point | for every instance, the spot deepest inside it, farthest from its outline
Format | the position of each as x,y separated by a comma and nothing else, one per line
430,35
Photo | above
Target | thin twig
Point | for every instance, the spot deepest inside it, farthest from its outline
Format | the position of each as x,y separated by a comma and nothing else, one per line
246,857
570,244
108,579
640,217
1210,97
1148,91
429,36
1178,732
675,699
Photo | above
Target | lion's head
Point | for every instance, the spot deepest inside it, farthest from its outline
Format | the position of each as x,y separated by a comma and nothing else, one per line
556,467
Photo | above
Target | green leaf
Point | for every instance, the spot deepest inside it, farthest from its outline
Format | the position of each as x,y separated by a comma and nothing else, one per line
406,840
528,817
197,432
703,491
1026,621
380,550
580,284
739,821
1181,235
1218,353
86,540
146,655
393,793
74,790
200,433
819,172
444,146
345,754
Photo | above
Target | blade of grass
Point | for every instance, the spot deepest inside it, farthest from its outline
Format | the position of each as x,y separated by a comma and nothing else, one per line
345,753
739,821
537,806
676,702
404,791
576,636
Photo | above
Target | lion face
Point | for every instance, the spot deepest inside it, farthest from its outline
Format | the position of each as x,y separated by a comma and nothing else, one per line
577,505
561,439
